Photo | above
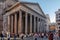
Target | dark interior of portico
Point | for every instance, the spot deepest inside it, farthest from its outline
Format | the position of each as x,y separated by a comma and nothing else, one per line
28,23
23,22
32,23
36,24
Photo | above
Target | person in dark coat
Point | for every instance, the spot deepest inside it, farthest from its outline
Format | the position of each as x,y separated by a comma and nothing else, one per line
51,36
2,36
35,38
15,36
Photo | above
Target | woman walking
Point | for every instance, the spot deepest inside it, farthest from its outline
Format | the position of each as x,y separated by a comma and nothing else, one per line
51,36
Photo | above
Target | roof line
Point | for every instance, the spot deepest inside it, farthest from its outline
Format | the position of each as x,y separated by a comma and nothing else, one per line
26,6
34,10
35,4
29,2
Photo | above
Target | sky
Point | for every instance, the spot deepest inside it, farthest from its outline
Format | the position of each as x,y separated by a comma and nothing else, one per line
48,7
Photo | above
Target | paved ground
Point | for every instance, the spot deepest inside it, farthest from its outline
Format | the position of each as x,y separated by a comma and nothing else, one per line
38,38
28,38
31,38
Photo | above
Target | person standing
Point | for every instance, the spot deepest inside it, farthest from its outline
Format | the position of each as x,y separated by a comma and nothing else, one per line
2,35
35,38
51,36
8,36
15,36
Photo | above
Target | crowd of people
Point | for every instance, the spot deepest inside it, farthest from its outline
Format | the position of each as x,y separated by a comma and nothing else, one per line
49,35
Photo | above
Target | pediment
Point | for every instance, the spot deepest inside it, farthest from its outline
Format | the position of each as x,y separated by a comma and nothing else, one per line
34,6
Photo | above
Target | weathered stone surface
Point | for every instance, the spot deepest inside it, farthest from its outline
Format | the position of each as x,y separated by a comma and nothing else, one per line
6,21
5,24
1,17
4,4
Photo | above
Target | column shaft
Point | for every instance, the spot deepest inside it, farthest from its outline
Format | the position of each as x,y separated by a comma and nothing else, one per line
30,23
9,23
38,24
20,23
26,23
34,24
15,27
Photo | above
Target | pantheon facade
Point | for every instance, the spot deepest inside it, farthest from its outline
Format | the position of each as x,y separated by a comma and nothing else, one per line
24,17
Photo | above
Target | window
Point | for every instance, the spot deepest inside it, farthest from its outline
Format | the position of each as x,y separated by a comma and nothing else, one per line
59,16
56,14
58,23
59,27
59,13
57,20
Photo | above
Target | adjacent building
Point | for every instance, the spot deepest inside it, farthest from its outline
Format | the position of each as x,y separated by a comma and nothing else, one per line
23,17
47,22
58,19
53,27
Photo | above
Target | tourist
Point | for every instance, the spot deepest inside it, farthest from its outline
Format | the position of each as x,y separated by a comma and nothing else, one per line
15,36
8,36
2,35
42,35
51,36
35,38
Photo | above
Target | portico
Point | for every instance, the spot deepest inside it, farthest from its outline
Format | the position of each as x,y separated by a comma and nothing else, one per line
20,22
22,19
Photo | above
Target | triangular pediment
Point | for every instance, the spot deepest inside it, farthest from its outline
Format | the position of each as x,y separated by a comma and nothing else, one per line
34,6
